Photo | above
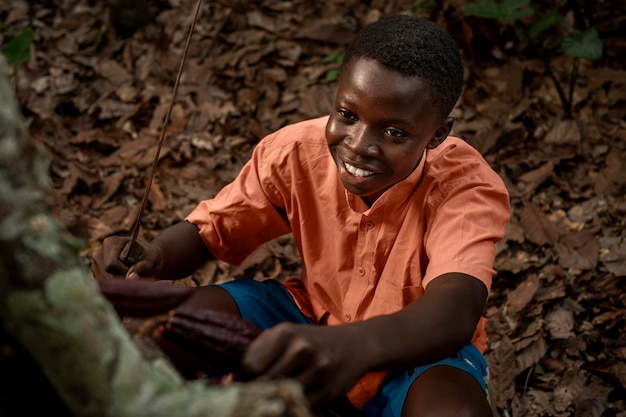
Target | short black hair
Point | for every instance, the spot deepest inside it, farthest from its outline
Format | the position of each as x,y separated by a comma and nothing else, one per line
413,46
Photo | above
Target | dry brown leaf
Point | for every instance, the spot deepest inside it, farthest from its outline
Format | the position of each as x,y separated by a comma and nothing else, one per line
590,407
531,180
137,153
111,185
600,76
560,323
331,30
529,356
564,132
537,227
529,335
612,371
156,197
503,370
521,296
579,250
613,254
569,389
514,261
611,178
536,403
112,70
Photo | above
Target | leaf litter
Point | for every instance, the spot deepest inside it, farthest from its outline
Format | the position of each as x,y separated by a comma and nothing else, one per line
557,310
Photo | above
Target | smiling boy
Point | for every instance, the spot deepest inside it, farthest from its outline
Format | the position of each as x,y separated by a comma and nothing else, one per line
396,223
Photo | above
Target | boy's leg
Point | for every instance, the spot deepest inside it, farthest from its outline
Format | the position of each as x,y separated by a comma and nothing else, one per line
264,303
453,386
213,297
446,391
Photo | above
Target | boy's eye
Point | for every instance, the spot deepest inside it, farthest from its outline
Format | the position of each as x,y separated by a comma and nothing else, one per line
345,114
395,133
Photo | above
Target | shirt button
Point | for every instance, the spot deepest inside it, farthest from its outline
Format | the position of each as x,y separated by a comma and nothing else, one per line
369,225
348,317
361,271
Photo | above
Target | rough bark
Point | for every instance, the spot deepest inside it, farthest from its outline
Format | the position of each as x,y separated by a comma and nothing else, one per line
52,306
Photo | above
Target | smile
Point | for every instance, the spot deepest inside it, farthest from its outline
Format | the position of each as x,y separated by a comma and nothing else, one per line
357,172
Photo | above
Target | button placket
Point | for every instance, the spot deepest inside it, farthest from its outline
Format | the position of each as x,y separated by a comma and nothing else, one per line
363,268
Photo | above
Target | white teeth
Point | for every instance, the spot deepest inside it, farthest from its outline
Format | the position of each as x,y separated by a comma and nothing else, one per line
357,172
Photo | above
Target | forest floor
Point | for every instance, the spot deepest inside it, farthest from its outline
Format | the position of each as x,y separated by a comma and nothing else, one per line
557,310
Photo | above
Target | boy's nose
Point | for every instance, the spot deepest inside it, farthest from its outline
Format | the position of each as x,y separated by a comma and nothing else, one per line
363,142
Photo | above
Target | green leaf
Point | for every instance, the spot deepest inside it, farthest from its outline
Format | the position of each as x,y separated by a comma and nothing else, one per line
334,57
551,18
421,6
100,38
332,75
584,45
18,49
507,10
539,370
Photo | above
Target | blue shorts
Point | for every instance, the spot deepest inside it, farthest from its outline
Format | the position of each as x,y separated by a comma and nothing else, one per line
267,303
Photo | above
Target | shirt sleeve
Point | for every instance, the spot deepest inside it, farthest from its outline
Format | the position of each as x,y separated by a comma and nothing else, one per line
244,214
467,214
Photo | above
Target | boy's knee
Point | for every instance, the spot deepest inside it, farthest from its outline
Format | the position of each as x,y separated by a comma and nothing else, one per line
444,391
450,407
213,297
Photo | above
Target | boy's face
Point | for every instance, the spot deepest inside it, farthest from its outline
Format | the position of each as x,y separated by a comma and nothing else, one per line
379,126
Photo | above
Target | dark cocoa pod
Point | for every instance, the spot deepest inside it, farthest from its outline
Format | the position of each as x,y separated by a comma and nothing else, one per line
190,362
219,338
218,319
136,298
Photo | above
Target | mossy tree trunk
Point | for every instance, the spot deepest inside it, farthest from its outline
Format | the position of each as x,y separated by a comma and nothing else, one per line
52,307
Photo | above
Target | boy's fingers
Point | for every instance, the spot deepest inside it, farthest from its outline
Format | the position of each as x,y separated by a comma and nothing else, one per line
145,268
131,253
101,270
253,362
288,366
282,352
131,274
110,251
264,352
140,263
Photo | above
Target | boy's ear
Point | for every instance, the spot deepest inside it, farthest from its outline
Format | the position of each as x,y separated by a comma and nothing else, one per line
441,133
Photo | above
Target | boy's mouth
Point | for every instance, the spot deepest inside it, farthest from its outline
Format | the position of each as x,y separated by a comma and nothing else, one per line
357,172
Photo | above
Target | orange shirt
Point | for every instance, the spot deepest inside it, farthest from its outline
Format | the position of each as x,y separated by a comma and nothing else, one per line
360,261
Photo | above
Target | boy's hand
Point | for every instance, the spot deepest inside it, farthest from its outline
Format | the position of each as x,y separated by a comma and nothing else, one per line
326,360
107,262
177,252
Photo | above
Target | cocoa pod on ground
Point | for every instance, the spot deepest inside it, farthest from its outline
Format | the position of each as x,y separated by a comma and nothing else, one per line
136,298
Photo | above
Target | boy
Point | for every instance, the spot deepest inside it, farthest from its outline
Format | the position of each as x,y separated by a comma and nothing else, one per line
396,223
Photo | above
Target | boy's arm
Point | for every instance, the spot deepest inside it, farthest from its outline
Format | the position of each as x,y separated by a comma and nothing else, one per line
175,253
433,327
329,360
182,251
